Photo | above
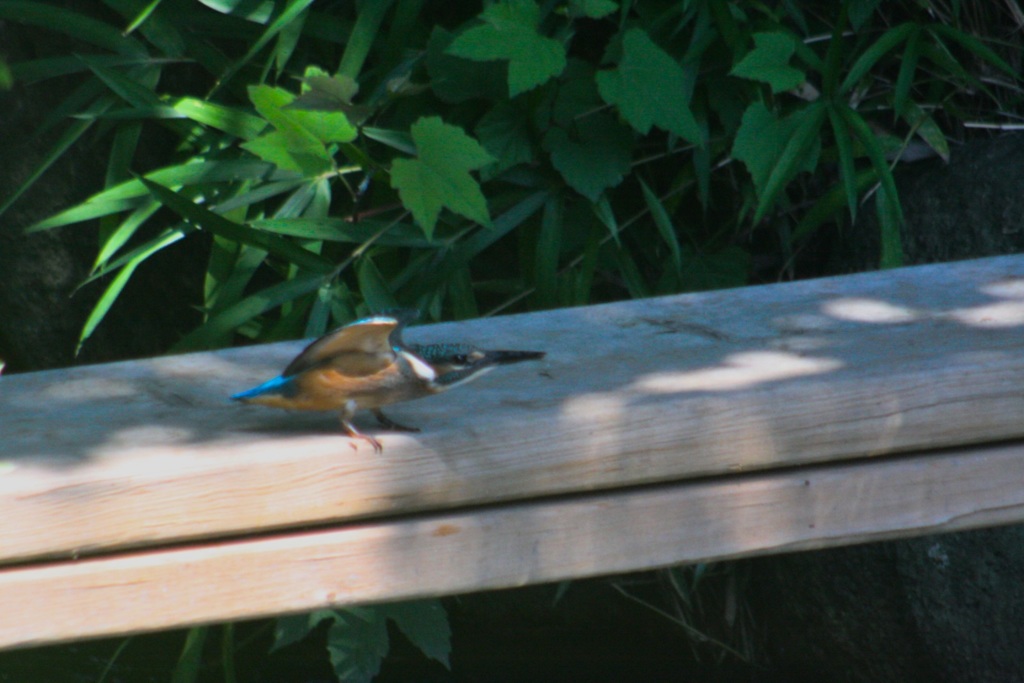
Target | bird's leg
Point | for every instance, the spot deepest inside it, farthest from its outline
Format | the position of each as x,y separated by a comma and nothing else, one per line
388,423
356,434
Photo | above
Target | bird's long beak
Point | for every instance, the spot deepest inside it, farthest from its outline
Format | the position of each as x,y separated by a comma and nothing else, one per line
507,357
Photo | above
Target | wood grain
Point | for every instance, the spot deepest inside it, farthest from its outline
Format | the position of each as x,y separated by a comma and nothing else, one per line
514,544
103,458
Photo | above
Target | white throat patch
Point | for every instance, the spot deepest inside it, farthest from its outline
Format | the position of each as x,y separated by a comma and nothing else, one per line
422,370
475,375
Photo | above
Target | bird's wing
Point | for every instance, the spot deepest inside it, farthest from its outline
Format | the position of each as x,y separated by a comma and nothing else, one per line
361,348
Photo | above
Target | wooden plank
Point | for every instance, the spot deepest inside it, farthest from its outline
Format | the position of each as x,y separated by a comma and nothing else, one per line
128,454
515,544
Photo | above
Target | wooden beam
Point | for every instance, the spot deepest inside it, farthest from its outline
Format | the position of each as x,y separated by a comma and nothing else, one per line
514,544
102,458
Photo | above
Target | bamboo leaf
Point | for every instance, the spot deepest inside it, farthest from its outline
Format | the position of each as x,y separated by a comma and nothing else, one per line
546,253
889,212
373,286
228,119
362,37
867,60
231,318
908,69
665,228
78,26
218,225
975,46
292,11
847,169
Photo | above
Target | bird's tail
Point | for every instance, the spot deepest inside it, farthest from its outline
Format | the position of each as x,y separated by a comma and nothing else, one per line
277,386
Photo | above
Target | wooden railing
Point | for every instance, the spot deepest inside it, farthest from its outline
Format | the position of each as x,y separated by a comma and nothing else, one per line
134,496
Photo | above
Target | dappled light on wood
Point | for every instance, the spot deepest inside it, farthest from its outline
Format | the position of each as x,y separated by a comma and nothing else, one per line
683,428
1000,314
738,371
868,311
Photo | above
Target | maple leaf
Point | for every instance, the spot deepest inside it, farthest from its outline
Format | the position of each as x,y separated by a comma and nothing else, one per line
439,175
510,32
649,88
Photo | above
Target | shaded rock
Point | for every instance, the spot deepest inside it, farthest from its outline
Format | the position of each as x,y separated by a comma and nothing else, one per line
934,608
41,313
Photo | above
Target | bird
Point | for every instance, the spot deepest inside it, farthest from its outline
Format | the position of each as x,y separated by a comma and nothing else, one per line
366,365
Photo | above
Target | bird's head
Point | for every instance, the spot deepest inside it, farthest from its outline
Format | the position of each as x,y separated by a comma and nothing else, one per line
456,364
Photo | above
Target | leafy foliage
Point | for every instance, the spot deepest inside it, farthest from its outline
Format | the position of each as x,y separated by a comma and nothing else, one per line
357,639
439,176
510,33
344,157
462,160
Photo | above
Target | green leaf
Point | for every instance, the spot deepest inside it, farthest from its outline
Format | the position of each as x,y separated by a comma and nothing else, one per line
439,176
890,219
908,69
505,134
274,105
395,139
630,274
139,252
597,156
775,150
132,90
665,227
374,286
79,26
847,169
925,127
389,234
510,33
592,9
975,46
66,140
649,88
357,643
298,143
603,211
219,225
186,670
289,153
292,11
890,214
362,36
231,268
232,121
467,249
861,11
231,318
718,270
143,15
321,92
830,204
889,40
425,624
127,195
292,629
119,236
110,294
455,80
546,253
768,62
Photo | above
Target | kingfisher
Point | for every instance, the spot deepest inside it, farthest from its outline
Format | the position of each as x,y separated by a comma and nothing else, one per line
365,365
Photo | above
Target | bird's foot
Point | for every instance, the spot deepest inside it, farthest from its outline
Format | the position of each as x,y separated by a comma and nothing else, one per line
388,423
356,434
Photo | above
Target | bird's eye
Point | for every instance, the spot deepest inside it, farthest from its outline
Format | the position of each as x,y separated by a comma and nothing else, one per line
460,359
